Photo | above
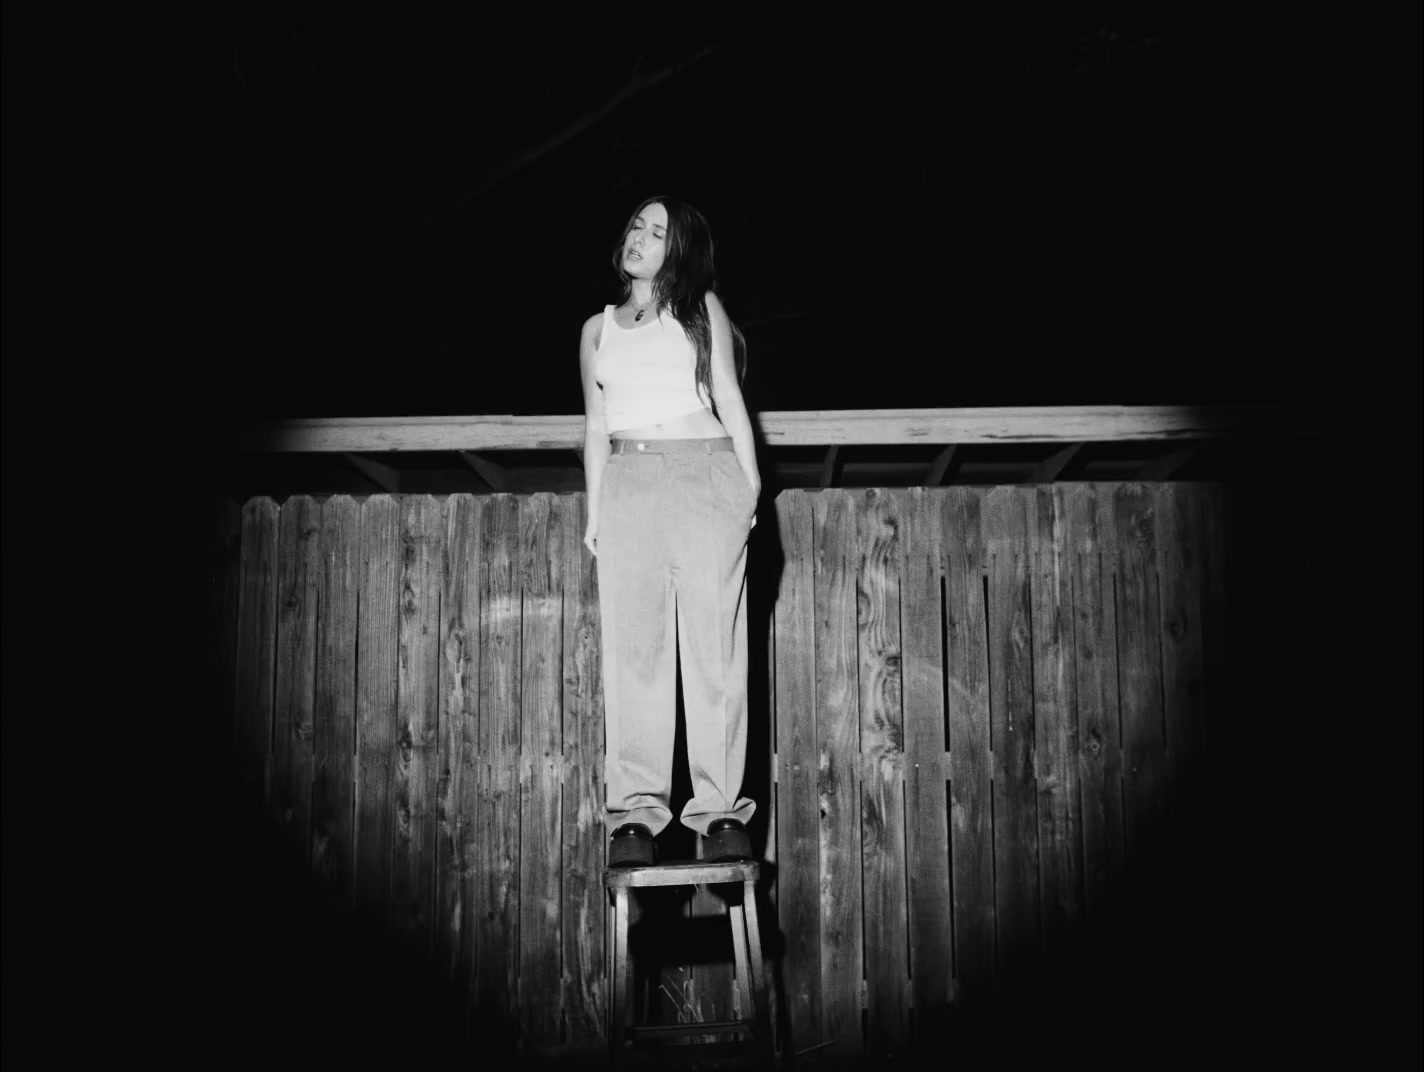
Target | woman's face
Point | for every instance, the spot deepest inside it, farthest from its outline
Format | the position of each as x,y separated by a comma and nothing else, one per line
646,242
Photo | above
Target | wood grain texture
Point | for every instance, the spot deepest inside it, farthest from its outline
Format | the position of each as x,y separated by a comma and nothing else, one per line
1093,541
499,733
457,801
926,769
256,645
1180,549
585,975
298,568
798,822
882,763
416,773
838,781
1009,521
1060,842
334,705
971,782
542,521
376,711
1140,671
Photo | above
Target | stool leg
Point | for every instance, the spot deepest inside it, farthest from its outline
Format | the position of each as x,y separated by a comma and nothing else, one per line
739,951
618,1018
758,973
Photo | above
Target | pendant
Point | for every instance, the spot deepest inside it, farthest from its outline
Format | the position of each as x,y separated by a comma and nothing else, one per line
640,315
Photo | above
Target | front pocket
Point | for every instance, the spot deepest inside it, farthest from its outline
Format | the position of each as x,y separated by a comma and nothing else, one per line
728,476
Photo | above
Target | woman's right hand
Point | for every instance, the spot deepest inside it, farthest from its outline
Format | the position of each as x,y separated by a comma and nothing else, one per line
590,539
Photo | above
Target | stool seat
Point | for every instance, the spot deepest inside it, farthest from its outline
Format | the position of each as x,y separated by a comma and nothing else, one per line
686,873
746,949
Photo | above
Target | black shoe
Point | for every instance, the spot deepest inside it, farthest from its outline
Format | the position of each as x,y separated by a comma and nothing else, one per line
632,845
726,840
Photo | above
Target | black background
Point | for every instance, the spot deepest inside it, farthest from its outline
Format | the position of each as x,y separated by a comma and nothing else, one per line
280,210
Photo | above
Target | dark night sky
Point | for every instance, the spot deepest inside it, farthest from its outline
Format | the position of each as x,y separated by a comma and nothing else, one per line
271,209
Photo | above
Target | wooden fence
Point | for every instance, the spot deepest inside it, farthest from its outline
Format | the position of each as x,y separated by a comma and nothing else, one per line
983,709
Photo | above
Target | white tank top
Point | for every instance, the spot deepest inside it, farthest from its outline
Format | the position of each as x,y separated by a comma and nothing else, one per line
648,373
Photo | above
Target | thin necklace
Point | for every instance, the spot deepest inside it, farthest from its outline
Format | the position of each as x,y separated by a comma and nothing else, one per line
639,315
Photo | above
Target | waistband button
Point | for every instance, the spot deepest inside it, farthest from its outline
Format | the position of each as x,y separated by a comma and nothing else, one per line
641,446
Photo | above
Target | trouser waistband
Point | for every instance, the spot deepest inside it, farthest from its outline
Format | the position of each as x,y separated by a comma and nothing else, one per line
671,446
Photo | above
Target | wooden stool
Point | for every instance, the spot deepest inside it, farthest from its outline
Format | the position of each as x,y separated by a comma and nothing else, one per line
751,971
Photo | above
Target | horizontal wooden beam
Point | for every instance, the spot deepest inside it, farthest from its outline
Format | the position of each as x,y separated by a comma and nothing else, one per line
779,428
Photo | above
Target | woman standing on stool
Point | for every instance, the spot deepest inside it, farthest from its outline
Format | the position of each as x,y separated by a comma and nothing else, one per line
672,492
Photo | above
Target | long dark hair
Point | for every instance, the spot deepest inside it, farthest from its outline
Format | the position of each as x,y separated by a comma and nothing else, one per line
683,281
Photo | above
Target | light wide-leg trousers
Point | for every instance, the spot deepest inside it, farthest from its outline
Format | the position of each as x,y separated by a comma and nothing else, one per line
673,521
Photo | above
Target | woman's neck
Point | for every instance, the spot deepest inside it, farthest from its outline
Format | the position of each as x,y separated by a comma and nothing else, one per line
641,293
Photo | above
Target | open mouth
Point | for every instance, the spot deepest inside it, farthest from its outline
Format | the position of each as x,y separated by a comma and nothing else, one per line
634,255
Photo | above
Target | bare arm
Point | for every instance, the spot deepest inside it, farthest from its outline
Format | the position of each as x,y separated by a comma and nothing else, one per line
595,430
727,393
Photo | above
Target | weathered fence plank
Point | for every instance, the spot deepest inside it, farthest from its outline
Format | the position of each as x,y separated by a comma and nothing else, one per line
298,566
1093,543
541,563
1008,524
256,644
414,779
376,714
584,900
798,829
971,784
926,817
882,766
1140,672
334,702
1180,548
500,702
838,784
457,795
1055,726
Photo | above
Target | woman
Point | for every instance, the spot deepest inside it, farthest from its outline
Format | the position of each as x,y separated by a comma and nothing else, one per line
672,490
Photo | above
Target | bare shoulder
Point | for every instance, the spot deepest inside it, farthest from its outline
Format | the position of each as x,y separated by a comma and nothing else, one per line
591,334
714,305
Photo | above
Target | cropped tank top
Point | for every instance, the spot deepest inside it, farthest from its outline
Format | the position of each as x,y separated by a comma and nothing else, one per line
648,373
